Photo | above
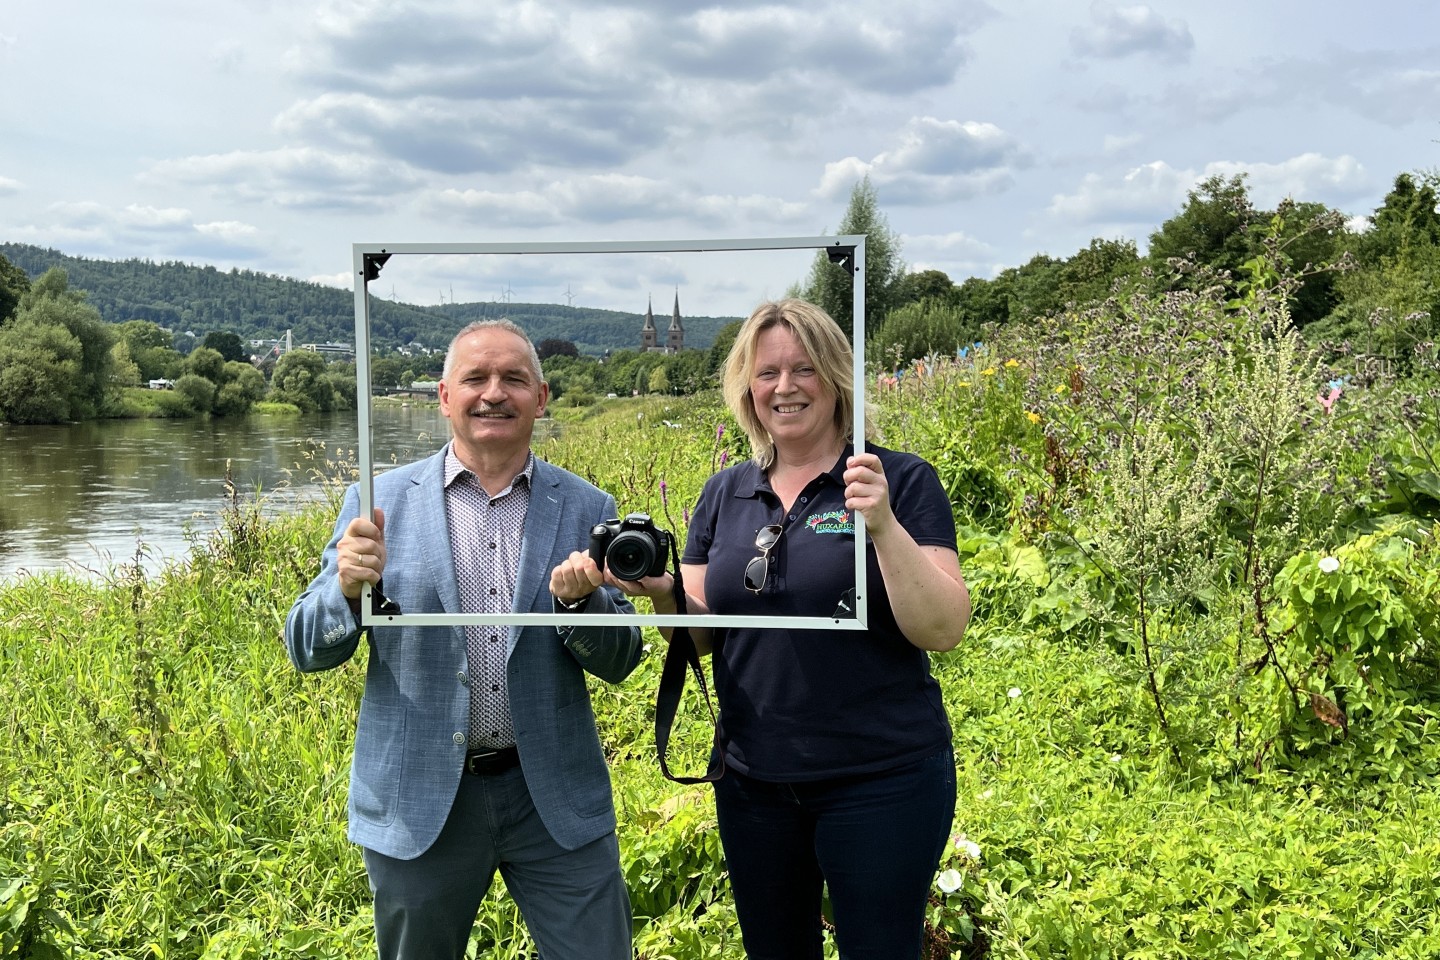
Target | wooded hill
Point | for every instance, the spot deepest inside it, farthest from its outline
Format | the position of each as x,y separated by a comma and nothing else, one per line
201,299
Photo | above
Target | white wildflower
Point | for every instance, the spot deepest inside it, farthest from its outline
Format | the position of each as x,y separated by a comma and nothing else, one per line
968,847
1013,693
1329,564
949,881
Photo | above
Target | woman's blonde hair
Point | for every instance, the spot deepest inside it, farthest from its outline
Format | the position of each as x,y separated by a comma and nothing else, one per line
824,343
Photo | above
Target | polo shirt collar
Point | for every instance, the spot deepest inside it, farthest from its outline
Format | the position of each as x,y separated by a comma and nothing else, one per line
761,484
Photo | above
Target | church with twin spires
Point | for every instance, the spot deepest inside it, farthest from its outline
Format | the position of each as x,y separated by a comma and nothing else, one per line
674,337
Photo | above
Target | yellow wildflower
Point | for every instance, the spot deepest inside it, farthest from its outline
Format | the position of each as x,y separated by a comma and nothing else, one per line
1032,416
988,372
1012,362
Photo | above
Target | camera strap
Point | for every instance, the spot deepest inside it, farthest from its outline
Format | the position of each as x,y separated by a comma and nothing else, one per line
680,656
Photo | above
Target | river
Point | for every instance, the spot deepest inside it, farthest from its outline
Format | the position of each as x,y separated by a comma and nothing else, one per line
85,496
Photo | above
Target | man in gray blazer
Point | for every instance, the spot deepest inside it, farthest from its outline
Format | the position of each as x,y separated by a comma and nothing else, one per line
476,748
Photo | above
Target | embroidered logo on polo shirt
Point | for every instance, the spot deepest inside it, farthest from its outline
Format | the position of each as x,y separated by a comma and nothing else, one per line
835,521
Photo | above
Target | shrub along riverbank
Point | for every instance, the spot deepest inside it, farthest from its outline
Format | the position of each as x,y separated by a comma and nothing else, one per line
1196,714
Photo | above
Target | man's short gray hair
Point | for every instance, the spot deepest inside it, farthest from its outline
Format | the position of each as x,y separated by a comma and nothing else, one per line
503,323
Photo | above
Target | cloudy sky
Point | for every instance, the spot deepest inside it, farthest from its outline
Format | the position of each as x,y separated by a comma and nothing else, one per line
273,135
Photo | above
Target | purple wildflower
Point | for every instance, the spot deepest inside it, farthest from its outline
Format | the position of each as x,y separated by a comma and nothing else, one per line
719,431
664,497
724,455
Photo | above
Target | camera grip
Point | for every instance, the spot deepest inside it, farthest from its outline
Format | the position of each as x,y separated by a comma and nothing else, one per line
600,537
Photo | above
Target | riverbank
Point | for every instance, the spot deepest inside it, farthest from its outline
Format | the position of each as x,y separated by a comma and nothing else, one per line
138,403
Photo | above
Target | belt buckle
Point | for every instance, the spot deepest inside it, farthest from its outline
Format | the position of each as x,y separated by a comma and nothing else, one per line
488,761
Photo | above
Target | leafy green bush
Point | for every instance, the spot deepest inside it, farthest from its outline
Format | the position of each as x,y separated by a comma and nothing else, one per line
928,327
1360,661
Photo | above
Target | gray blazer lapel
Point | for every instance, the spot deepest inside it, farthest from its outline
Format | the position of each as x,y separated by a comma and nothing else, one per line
427,497
537,549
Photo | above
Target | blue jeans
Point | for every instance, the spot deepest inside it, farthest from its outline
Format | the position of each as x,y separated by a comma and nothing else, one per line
874,841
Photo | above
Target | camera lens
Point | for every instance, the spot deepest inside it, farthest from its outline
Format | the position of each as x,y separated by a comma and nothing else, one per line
630,555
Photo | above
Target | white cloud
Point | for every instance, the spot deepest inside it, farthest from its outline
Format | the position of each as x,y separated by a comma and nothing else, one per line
153,218
1306,177
88,228
1115,32
266,136
949,245
1154,192
450,137
82,214
232,230
508,48
606,198
934,161
1146,194
514,84
896,47
293,177
344,279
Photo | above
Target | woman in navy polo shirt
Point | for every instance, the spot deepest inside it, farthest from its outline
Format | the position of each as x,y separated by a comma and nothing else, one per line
839,767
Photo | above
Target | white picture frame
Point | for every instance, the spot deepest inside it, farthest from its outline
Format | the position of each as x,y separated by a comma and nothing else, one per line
370,258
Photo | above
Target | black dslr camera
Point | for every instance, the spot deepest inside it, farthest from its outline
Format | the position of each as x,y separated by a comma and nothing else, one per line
632,548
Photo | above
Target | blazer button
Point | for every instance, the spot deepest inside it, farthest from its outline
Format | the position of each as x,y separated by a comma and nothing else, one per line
459,738
464,680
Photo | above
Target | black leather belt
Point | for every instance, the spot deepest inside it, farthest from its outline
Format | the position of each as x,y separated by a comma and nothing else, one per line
483,763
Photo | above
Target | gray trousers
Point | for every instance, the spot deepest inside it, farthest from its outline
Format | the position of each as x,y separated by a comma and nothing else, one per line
574,901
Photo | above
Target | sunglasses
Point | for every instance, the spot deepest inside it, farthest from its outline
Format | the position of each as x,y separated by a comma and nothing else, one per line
757,571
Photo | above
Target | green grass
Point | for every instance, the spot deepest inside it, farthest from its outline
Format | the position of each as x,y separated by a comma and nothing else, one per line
170,787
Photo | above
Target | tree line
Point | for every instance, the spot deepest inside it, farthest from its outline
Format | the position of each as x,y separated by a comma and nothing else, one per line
1367,286
60,361
258,306
1364,286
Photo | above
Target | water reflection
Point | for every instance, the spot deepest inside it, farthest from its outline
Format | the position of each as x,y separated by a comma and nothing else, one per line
83,496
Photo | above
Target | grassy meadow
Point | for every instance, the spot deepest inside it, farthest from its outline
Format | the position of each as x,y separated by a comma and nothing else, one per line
1195,716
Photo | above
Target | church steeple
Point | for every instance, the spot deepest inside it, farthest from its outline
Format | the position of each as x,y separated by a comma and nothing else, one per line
648,332
675,337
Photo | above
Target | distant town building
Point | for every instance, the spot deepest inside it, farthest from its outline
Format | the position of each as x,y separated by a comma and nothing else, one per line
674,336
330,349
